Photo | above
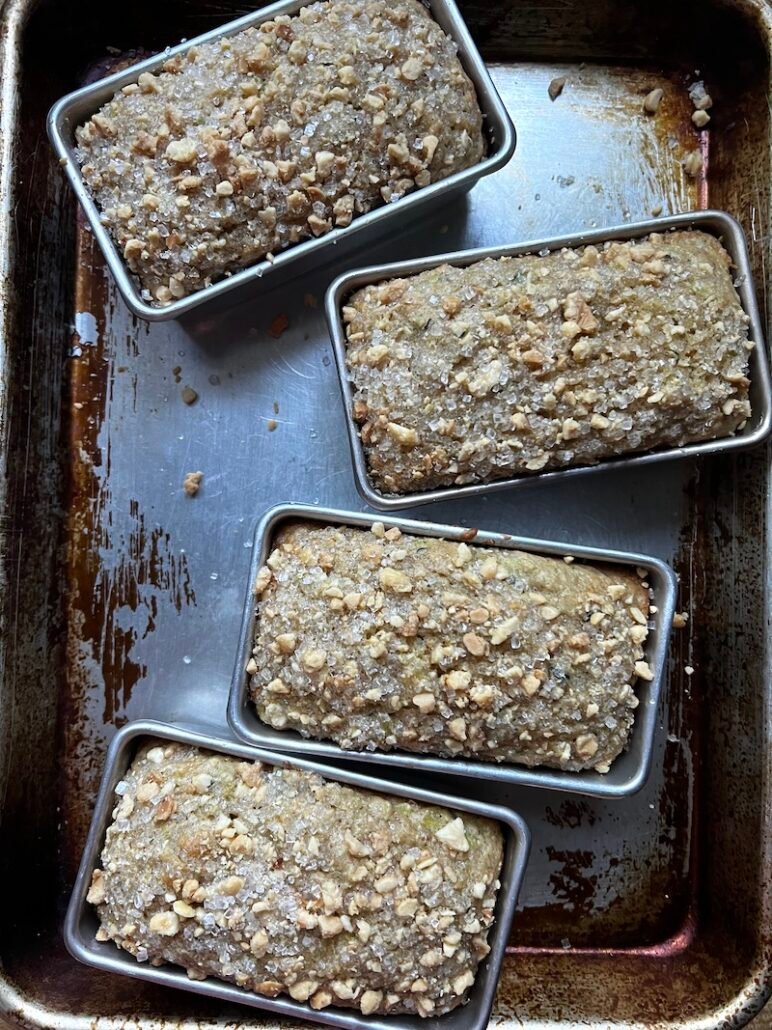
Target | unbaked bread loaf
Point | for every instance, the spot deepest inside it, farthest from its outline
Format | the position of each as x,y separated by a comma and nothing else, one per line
243,146
283,882
380,640
521,365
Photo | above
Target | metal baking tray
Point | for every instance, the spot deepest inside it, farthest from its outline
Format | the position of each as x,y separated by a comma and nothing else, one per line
120,598
77,107
81,921
627,774
718,223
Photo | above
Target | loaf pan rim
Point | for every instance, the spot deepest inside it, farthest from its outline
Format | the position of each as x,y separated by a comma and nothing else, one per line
247,726
79,104
718,223
107,956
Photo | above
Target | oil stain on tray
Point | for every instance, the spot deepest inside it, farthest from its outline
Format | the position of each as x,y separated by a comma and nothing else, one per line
123,569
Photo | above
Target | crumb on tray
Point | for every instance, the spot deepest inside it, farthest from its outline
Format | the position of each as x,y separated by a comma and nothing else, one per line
279,325
556,86
191,484
653,100
693,163
700,97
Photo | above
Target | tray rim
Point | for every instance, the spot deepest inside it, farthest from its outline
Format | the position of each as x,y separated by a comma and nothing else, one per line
67,112
20,1003
106,956
247,726
717,223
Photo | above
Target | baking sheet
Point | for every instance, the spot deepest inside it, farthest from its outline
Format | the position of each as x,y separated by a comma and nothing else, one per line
655,910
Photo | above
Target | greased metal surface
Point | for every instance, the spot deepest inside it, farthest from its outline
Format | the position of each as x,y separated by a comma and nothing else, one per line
653,908
82,922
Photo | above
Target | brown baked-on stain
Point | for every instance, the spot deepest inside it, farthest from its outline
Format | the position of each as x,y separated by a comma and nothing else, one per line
571,813
573,885
659,917
144,575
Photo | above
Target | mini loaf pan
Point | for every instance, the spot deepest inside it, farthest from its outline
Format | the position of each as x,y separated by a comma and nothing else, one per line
75,108
81,921
627,774
717,223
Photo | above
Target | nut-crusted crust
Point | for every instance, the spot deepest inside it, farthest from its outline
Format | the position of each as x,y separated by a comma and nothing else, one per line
379,640
518,365
283,882
246,145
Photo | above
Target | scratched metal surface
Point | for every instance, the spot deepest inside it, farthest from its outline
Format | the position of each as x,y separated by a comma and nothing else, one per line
136,613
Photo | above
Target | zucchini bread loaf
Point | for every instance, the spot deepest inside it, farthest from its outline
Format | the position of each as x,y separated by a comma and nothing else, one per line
282,882
379,640
250,143
525,364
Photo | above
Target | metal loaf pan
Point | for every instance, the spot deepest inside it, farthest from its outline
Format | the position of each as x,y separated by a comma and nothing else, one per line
81,921
77,107
718,223
627,774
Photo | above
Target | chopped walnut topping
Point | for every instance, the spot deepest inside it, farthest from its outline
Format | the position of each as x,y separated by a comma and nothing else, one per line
587,745
643,670
264,577
404,436
425,702
370,1002
147,791
653,100
287,643
530,684
182,151
303,990
167,924
330,926
457,729
396,581
462,982
96,892
313,660
453,834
